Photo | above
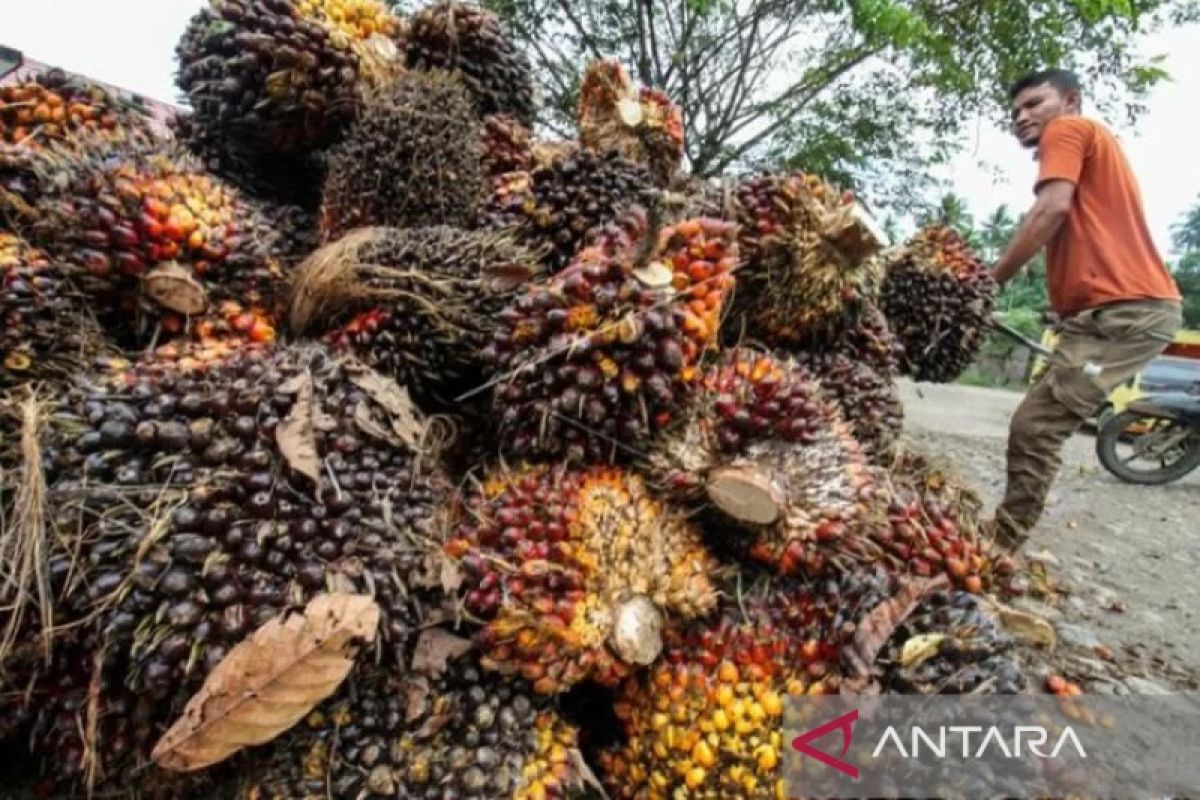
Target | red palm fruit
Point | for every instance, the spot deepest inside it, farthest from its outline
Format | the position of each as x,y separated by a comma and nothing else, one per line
53,107
144,232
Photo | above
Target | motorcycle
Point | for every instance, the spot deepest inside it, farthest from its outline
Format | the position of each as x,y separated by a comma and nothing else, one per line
1155,440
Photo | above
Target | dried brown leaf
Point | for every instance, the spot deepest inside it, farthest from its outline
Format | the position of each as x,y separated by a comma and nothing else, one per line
435,649
269,682
416,694
297,434
394,398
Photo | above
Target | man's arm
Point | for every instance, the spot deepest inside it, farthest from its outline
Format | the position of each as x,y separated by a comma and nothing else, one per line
1039,226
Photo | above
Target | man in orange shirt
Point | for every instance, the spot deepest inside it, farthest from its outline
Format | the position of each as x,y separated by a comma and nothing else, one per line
1118,303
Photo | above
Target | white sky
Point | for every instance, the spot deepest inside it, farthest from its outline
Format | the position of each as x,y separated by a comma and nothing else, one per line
130,43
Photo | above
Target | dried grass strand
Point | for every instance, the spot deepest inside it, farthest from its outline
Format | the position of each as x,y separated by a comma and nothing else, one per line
24,545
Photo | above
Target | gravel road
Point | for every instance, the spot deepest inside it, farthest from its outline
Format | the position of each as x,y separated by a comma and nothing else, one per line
1127,557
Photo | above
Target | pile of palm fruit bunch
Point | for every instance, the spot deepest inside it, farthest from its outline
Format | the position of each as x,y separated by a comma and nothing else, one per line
605,456
938,298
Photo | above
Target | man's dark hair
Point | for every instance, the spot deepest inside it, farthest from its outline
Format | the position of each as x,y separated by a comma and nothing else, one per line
1062,79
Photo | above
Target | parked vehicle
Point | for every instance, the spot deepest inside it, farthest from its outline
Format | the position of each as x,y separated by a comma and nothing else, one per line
1155,439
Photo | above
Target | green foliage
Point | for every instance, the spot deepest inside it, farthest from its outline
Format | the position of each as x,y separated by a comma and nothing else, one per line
1185,237
873,92
1025,292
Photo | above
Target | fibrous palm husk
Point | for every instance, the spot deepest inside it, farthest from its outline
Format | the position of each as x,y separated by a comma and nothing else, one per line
642,125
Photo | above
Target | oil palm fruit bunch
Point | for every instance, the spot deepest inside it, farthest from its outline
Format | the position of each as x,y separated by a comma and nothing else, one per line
858,371
417,304
53,107
951,645
207,501
144,230
285,178
933,524
46,328
462,733
470,40
938,298
283,76
607,351
706,721
643,125
556,206
807,256
575,571
507,146
777,465
414,157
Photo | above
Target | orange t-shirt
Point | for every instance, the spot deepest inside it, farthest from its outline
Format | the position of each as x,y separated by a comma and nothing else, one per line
1103,253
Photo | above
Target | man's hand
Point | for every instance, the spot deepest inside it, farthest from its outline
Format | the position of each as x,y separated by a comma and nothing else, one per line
1049,211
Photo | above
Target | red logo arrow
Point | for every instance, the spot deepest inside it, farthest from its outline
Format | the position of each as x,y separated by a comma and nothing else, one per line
844,723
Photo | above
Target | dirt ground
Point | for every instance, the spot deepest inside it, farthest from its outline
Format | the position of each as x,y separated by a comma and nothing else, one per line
1125,557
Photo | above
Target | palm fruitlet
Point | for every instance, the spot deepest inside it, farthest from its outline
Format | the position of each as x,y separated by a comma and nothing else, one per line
643,125
414,157
591,363
417,304
938,298
555,207
53,107
776,463
283,76
507,146
575,572
470,40
933,524
194,505
858,370
144,230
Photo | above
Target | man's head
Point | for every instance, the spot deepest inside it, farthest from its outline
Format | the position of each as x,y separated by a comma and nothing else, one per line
1040,97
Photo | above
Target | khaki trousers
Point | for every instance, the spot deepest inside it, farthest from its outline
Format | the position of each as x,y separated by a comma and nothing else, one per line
1119,339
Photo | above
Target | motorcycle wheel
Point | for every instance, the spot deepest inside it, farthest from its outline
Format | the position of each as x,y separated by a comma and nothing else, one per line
1130,454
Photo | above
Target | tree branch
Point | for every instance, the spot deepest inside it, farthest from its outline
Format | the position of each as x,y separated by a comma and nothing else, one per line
584,36
798,97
